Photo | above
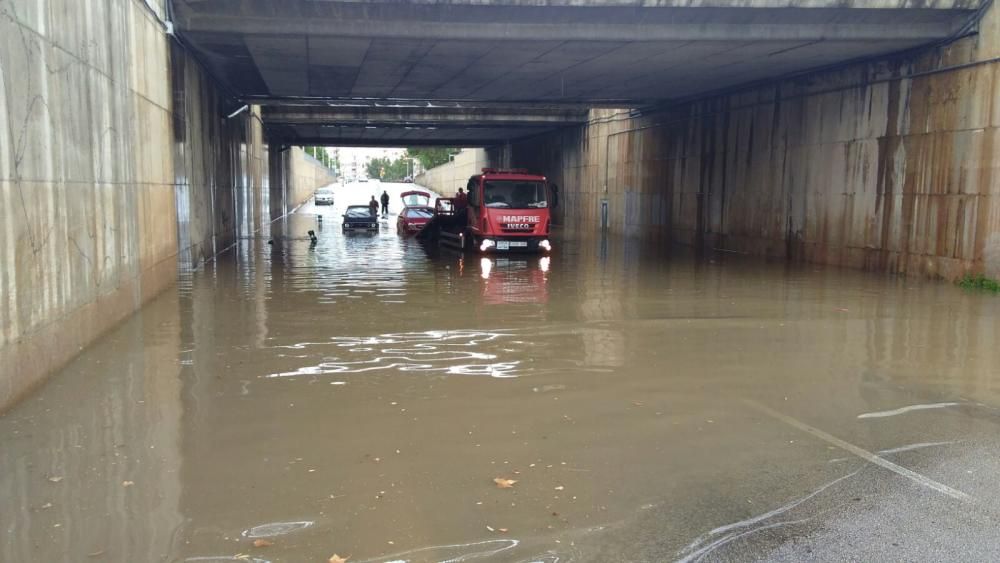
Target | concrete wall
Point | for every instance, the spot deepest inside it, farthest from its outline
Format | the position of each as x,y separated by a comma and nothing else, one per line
294,177
220,163
306,174
447,178
854,167
87,213
117,163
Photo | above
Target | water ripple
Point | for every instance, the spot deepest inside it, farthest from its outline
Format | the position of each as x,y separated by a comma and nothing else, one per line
427,351
449,553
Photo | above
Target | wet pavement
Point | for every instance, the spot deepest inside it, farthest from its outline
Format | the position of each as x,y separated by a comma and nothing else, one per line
360,396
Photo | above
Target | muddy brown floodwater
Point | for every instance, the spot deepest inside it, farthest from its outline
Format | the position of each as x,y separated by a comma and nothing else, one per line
360,396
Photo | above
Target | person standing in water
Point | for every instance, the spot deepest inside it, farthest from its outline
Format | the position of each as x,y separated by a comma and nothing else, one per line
373,206
385,203
461,200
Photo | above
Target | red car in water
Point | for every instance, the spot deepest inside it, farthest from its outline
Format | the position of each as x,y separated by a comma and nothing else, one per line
416,212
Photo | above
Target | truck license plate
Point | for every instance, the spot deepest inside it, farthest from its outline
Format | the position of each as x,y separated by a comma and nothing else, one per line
508,244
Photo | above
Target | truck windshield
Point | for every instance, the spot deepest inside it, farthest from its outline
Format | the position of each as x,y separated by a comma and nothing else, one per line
514,194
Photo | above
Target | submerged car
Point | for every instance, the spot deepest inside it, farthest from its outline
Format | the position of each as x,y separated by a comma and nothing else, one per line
416,212
412,219
415,198
324,196
360,218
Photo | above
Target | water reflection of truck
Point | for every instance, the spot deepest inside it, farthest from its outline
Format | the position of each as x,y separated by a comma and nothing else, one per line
510,280
506,211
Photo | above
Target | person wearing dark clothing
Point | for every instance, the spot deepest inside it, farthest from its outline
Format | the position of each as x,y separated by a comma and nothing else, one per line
373,206
461,200
385,202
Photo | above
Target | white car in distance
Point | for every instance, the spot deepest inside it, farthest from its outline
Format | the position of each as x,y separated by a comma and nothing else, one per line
324,196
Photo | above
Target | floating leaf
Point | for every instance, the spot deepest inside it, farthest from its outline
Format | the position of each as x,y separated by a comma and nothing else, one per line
338,559
504,483
262,543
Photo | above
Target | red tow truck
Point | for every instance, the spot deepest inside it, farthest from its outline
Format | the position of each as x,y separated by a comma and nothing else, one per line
506,211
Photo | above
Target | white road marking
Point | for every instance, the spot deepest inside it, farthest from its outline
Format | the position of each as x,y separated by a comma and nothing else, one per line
901,410
919,446
698,555
862,453
750,522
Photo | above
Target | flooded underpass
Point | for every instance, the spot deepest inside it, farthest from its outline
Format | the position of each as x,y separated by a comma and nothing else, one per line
616,401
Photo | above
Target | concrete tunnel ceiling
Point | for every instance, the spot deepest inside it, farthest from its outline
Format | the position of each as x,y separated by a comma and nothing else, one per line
554,57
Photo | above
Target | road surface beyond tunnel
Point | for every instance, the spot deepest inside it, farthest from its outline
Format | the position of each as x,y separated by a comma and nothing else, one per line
360,396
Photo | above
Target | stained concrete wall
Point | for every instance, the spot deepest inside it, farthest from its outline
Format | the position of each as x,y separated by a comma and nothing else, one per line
87,216
220,161
117,164
447,178
889,165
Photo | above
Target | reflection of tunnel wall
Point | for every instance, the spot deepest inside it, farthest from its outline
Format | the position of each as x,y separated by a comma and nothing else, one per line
849,166
116,421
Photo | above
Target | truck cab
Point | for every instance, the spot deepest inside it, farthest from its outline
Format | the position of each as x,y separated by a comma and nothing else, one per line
507,210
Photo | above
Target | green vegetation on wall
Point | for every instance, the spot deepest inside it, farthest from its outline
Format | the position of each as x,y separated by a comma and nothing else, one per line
979,281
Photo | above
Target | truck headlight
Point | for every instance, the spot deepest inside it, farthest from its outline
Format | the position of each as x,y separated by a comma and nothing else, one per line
486,244
545,245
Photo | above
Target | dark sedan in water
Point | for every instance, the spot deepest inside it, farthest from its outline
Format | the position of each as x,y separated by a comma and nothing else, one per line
360,218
